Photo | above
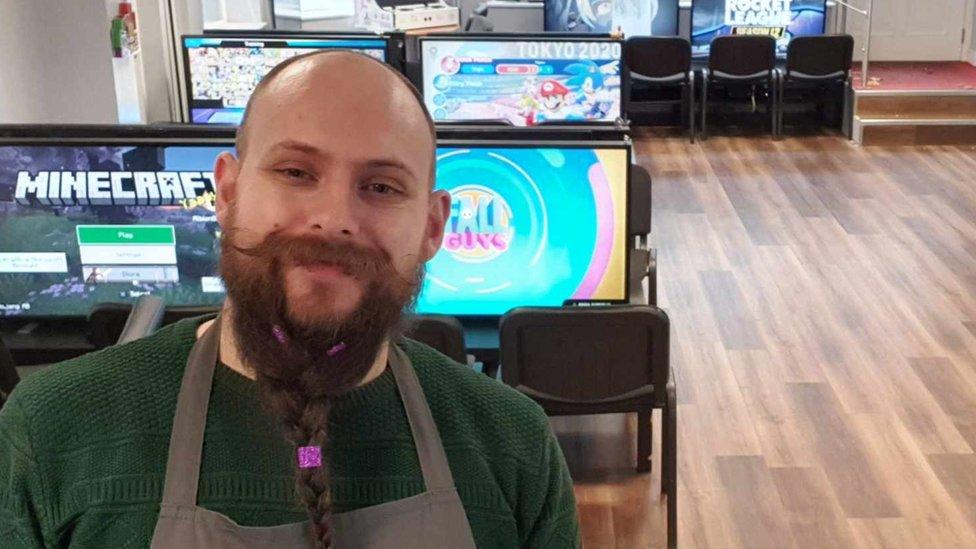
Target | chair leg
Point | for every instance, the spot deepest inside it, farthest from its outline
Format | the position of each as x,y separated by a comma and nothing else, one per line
652,275
691,109
771,106
644,428
847,123
704,110
669,459
781,98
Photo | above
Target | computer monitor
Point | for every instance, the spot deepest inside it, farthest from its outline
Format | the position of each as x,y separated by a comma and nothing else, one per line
541,223
107,218
222,70
781,19
632,17
523,80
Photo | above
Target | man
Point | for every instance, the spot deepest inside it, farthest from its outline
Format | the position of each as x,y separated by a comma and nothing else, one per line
311,428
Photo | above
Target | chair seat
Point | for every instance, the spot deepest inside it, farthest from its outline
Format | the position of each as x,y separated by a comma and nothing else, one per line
672,79
796,75
754,77
629,396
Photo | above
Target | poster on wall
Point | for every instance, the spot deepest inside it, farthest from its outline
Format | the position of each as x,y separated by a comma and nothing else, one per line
632,17
781,19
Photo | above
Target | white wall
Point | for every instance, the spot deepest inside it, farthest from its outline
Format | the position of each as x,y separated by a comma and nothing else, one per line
972,38
154,45
218,12
56,64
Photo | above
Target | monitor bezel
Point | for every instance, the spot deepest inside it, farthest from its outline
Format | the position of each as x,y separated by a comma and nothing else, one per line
390,53
624,144
534,37
93,135
691,33
677,23
80,135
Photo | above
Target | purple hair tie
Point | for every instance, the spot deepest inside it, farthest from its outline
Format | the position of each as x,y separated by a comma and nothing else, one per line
309,457
336,349
279,334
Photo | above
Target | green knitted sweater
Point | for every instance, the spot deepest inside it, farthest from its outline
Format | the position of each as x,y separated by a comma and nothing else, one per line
83,448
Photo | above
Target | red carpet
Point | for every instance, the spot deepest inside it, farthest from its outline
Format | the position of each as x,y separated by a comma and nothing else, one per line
913,76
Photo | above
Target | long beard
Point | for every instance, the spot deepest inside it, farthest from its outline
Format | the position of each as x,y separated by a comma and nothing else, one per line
302,364
322,358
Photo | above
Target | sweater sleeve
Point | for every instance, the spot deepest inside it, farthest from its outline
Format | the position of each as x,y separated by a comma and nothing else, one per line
21,495
557,524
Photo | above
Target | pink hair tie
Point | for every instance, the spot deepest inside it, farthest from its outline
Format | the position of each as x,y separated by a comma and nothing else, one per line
336,349
309,457
279,333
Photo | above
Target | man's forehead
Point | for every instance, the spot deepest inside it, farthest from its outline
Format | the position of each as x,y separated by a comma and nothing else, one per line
326,79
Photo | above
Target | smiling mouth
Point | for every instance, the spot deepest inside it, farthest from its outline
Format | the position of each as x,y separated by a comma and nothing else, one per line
325,271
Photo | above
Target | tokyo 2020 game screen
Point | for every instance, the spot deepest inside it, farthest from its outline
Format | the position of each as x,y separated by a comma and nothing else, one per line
529,227
522,83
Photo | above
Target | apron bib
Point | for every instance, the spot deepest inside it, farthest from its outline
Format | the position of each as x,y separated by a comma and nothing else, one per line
434,518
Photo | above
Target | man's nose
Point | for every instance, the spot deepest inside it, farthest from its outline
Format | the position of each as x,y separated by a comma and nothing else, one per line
332,212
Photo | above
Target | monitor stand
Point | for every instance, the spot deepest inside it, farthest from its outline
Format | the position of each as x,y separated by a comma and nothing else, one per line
45,341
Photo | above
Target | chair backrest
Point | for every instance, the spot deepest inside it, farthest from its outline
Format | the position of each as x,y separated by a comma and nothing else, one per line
440,332
742,55
658,56
145,318
8,373
585,355
478,23
640,201
821,55
508,16
105,323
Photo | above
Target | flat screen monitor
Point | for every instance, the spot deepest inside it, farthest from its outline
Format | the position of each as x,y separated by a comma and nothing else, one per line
781,19
530,225
523,81
222,70
107,220
632,17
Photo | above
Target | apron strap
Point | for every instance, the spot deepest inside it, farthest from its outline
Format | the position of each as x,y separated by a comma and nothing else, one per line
190,421
427,439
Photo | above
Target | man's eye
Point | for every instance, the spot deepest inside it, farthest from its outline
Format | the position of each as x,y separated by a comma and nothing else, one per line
295,173
381,188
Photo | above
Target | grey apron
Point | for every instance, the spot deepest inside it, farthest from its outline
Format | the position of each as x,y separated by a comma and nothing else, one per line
433,519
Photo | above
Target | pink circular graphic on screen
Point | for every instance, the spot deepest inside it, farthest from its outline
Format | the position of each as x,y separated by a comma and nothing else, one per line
450,65
605,222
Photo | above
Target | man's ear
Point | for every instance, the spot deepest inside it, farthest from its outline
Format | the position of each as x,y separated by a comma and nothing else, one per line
439,208
226,170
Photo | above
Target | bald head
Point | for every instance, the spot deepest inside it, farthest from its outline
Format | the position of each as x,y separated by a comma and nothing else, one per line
353,82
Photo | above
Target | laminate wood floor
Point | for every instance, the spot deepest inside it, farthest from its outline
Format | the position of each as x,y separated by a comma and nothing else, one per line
823,307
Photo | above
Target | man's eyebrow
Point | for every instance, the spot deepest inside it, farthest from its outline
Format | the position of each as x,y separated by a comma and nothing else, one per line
389,163
299,146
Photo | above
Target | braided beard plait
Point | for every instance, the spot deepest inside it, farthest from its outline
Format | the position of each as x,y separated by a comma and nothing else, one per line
300,367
